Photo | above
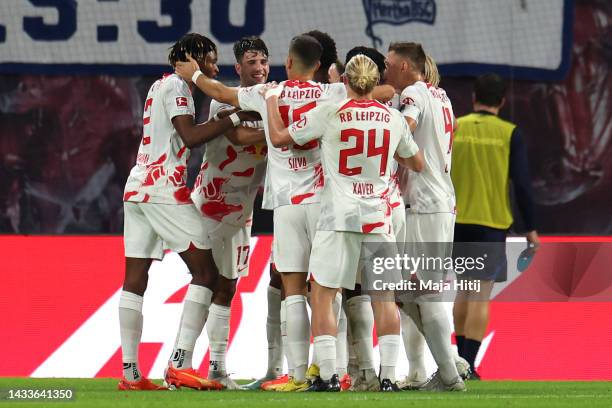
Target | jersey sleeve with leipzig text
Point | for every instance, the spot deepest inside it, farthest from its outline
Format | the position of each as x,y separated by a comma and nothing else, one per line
229,177
159,175
357,145
430,191
294,174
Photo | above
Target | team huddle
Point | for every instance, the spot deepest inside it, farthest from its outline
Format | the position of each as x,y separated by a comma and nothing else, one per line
349,155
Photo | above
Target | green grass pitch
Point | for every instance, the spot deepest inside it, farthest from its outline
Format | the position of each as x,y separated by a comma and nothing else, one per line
103,393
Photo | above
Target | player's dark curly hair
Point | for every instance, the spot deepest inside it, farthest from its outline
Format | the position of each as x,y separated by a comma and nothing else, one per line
371,53
246,44
193,43
329,54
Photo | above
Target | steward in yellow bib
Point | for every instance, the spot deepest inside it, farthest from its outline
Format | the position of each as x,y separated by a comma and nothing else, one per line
488,154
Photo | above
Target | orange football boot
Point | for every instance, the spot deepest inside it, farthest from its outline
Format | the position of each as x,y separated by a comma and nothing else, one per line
188,377
277,382
144,384
345,382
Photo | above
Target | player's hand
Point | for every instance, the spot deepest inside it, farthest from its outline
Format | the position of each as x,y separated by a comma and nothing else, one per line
186,69
534,240
249,116
271,89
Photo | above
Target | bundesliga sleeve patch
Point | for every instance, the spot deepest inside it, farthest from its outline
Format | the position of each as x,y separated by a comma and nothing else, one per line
181,101
408,101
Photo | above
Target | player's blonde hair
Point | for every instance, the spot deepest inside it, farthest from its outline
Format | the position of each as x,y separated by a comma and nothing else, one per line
362,74
431,71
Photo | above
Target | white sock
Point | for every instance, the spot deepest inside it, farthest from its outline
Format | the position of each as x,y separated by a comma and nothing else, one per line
326,350
217,328
336,308
342,345
273,333
337,305
414,345
388,346
283,316
437,333
130,328
195,310
298,334
361,320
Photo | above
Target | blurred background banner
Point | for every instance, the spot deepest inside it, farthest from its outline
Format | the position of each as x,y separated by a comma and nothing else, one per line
132,37
74,75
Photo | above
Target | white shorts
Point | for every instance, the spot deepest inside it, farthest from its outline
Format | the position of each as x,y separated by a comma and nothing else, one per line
294,230
230,247
337,256
398,221
149,228
437,231
435,227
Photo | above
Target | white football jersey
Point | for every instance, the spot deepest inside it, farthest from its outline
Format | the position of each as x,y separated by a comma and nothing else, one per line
229,177
358,142
159,175
430,191
294,174
395,195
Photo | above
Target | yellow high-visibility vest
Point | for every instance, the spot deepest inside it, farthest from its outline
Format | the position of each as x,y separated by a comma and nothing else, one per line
481,163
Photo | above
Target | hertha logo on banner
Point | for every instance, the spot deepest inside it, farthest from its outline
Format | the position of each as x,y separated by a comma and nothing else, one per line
397,12
181,101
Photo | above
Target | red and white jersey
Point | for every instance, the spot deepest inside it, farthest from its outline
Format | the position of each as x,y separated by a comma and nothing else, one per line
294,174
395,195
159,175
358,142
430,191
229,177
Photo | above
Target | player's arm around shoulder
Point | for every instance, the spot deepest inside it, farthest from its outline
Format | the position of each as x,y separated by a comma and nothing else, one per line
193,134
407,153
383,93
245,135
278,133
310,127
239,135
191,73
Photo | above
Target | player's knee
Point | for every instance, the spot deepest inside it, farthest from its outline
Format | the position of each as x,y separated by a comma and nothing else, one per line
225,289
351,293
295,284
275,279
135,283
205,275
